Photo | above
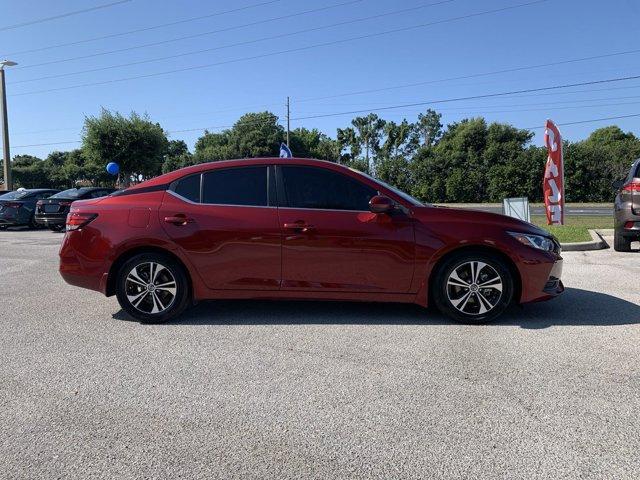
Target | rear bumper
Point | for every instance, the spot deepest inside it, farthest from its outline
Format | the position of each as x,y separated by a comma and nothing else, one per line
78,269
49,219
13,219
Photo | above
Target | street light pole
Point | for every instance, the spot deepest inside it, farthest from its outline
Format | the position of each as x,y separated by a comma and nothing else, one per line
8,184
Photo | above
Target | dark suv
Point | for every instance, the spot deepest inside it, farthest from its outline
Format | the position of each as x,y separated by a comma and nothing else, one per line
627,210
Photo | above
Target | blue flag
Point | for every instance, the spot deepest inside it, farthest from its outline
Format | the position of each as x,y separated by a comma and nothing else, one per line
284,151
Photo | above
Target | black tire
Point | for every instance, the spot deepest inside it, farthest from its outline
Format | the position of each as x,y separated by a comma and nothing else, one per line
129,291
4,227
475,308
56,228
621,243
33,223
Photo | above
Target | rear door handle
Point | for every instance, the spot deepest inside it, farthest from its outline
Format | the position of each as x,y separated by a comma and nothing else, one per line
178,219
300,226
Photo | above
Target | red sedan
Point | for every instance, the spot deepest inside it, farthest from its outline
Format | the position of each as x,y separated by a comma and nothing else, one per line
300,229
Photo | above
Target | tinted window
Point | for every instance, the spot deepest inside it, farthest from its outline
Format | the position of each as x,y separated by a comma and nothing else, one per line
236,186
99,193
188,187
308,187
43,195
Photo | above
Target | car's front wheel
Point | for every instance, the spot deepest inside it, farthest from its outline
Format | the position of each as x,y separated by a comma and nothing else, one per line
473,287
152,288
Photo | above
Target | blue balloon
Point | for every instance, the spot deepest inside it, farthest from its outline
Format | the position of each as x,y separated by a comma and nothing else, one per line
113,168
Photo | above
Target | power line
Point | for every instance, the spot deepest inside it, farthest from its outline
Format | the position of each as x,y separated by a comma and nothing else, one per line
62,15
602,119
492,95
247,42
578,122
281,52
163,42
145,29
474,75
471,97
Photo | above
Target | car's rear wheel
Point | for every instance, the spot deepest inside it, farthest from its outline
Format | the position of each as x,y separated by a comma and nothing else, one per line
152,288
473,287
621,243
56,228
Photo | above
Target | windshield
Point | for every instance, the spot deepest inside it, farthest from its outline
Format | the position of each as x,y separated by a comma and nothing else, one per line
71,193
15,195
413,201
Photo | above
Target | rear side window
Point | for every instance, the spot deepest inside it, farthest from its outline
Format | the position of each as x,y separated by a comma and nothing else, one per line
236,186
188,187
319,188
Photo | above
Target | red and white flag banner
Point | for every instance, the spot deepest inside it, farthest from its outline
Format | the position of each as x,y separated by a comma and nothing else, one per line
553,182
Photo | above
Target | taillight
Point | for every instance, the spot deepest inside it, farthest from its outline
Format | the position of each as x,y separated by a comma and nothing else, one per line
631,187
64,204
13,205
39,203
77,220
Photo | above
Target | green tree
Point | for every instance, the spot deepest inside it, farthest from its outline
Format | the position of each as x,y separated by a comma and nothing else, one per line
368,133
29,172
253,135
135,143
177,156
307,143
429,127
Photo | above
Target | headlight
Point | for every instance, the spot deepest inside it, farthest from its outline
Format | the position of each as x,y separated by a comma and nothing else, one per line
536,241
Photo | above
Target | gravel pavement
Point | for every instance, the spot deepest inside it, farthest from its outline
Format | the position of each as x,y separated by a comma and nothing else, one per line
242,389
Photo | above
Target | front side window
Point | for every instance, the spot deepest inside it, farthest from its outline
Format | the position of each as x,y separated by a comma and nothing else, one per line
245,186
319,188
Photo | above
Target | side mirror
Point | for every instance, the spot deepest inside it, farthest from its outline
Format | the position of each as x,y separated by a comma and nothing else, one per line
381,204
617,185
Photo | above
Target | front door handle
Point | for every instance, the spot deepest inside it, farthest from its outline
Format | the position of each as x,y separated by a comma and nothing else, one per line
178,219
299,226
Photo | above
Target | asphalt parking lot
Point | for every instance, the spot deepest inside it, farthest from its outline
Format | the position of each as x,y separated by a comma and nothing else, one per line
316,390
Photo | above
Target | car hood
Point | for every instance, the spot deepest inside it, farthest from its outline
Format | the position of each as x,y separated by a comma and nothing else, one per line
455,215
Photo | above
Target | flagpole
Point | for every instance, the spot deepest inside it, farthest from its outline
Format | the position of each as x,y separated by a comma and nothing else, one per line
288,121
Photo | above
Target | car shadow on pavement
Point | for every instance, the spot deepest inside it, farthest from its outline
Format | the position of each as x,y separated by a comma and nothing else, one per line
574,308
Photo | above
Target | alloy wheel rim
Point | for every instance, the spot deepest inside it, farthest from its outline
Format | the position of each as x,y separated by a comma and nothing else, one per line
150,287
474,288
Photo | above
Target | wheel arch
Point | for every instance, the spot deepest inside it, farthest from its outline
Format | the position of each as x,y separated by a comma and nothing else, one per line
485,249
127,254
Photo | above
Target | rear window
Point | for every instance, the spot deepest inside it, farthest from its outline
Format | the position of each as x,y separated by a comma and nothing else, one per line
71,193
9,196
236,186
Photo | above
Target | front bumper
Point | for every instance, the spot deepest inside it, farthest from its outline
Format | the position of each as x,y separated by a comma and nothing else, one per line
541,280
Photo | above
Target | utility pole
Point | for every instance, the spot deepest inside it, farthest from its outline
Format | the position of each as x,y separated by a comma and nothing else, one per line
288,120
8,184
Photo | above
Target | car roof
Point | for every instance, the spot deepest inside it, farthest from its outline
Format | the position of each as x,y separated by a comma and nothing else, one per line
202,167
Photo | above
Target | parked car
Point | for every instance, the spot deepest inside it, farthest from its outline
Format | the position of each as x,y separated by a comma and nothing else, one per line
18,208
627,210
52,212
300,229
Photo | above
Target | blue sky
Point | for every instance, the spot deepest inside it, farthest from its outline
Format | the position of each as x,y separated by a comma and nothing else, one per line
320,79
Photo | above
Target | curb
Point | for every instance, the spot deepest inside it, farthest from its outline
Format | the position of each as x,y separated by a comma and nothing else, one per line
596,243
